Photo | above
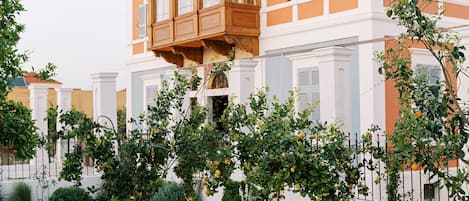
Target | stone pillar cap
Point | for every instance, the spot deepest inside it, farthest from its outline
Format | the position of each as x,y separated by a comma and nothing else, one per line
335,53
41,86
104,76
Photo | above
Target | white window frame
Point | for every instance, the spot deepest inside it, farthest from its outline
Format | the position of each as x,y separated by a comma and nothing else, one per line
150,81
162,10
142,20
422,57
311,89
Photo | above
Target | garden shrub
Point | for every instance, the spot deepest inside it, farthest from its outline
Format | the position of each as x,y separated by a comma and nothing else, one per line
231,191
70,194
170,192
21,192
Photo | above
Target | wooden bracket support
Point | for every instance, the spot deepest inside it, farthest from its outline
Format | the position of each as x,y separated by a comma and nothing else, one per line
192,53
170,57
246,43
220,47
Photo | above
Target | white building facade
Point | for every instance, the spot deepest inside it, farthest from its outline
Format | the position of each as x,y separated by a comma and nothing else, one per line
324,48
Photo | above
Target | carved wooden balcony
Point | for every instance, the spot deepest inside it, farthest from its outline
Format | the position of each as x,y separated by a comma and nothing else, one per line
219,27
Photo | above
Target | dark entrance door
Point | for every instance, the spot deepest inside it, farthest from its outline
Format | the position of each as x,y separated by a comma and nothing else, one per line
219,104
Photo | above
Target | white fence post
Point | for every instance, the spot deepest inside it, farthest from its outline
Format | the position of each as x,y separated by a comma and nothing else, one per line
241,79
334,85
38,104
64,104
104,98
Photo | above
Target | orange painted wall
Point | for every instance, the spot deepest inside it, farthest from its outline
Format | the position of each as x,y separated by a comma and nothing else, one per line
20,94
138,48
275,2
121,99
455,10
342,5
280,16
392,94
310,9
135,4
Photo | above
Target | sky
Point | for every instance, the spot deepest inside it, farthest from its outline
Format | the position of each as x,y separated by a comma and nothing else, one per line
80,37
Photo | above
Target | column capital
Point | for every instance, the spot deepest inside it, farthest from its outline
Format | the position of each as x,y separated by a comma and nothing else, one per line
334,53
244,65
104,77
39,86
151,77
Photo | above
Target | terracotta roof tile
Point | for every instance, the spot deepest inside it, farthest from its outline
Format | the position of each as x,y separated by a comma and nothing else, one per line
30,78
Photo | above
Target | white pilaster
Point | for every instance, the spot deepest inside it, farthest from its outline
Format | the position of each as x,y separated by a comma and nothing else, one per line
201,97
242,79
334,85
38,104
64,104
104,98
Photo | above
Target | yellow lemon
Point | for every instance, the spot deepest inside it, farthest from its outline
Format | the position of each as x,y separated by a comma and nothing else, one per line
227,161
284,155
300,143
301,136
367,134
293,169
297,186
418,114
217,173
216,163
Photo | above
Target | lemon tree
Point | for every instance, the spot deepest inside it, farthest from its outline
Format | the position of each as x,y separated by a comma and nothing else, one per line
280,149
432,128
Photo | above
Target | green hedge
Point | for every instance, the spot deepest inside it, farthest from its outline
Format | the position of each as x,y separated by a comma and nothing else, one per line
70,194
21,192
231,191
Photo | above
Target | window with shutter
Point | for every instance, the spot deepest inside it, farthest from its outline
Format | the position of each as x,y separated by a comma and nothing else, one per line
142,21
185,6
162,10
150,94
308,85
431,73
